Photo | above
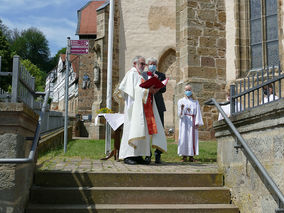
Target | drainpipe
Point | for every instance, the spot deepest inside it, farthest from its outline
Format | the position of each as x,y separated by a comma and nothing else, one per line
109,75
67,61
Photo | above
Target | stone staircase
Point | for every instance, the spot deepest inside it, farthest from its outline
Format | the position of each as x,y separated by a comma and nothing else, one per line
59,192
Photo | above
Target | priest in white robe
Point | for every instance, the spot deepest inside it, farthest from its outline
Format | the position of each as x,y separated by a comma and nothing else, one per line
190,119
141,118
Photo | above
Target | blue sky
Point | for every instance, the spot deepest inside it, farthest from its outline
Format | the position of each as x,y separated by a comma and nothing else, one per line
57,19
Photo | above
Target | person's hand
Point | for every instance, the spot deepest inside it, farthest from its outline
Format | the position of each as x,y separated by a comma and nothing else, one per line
156,76
153,90
182,107
188,110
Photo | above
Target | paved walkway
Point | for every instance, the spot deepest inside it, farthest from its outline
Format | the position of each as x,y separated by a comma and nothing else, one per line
91,165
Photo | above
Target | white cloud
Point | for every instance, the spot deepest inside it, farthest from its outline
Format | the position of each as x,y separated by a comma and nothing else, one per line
56,30
25,5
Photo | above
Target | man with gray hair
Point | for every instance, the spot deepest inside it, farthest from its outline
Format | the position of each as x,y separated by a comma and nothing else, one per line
152,71
140,117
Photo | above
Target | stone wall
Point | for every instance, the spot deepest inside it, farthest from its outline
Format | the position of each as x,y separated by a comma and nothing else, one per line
201,51
53,140
17,121
147,28
100,48
150,32
263,129
86,95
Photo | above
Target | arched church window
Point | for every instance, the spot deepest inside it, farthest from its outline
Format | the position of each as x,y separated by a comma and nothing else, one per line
264,33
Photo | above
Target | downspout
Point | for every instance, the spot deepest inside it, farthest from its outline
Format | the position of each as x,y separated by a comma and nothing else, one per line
109,74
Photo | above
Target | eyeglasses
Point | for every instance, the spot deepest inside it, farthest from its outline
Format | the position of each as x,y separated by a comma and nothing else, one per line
143,64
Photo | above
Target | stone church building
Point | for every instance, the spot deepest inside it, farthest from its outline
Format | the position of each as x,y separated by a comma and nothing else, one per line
202,42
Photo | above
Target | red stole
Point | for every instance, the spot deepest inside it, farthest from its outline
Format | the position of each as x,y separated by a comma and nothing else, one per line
150,118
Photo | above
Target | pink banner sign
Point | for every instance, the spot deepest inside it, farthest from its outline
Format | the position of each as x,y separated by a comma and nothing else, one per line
79,47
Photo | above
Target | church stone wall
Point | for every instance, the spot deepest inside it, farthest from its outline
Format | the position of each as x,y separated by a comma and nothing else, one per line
147,28
263,130
100,48
201,52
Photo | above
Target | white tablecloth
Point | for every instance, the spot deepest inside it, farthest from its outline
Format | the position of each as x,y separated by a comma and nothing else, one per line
115,120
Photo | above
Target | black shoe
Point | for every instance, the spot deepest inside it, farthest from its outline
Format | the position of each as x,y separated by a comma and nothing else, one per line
148,158
140,160
130,161
158,156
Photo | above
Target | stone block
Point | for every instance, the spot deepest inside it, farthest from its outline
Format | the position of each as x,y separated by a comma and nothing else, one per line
221,43
192,4
209,24
17,118
207,62
221,53
222,16
221,63
206,15
211,32
204,51
207,6
208,42
190,13
221,73
194,31
210,72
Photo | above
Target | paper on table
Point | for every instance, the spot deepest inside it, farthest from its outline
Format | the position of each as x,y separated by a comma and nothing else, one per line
115,120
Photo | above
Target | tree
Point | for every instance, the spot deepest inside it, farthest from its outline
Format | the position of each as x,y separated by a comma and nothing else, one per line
31,44
6,61
54,60
5,30
37,73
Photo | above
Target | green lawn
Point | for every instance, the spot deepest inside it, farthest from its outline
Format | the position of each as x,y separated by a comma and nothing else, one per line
94,149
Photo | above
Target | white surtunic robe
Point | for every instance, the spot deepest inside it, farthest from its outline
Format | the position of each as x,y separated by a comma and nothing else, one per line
188,140
135,138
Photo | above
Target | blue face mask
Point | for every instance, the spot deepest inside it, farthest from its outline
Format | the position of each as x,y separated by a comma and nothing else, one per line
152,68
188,93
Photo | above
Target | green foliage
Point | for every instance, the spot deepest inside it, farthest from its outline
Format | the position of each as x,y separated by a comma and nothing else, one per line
104,110
37,73
31,44
6,61
49,101
5,30
54,60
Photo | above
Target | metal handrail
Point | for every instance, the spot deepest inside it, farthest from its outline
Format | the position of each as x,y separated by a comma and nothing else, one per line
35,139
248,89
260,170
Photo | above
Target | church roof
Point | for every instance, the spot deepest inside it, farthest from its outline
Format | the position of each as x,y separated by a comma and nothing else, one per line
87,18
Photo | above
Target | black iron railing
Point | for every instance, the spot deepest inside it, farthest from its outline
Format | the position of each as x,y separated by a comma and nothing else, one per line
261,87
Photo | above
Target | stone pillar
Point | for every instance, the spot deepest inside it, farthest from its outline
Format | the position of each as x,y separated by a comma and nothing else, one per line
17,121
201,47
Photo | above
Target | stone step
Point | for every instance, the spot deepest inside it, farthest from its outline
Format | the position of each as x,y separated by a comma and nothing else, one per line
130,195
69,179
127,208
